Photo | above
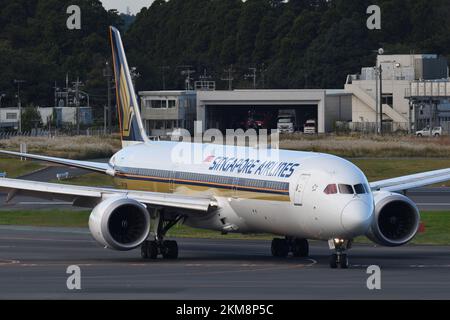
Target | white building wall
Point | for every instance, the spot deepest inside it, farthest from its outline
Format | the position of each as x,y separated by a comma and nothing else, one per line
46,114
9,118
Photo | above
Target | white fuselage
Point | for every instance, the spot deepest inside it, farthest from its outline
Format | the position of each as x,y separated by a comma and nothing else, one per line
283,192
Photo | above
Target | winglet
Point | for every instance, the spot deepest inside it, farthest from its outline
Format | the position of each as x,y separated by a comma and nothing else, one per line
131,128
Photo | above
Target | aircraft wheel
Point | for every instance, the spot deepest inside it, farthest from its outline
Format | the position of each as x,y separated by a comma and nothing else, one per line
144,250
334,261
280,248
343,263
152,250
300,248
170,249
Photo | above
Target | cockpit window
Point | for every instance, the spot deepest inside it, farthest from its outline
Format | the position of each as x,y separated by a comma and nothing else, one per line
345,189
330,189
360,189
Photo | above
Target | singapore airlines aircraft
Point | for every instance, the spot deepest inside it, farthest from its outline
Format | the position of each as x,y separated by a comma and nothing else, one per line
301,196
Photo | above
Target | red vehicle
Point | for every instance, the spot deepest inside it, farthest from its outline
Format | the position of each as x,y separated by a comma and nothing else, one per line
255,121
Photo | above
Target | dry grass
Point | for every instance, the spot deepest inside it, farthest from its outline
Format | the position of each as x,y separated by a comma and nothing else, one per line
365,146
352,146
80,147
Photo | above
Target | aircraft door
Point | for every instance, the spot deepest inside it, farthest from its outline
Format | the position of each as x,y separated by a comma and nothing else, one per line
300,188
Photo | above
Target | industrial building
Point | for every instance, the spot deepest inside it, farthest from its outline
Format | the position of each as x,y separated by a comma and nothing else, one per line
66,115
9,119
398,72
415,93
227,109
164,111
430,104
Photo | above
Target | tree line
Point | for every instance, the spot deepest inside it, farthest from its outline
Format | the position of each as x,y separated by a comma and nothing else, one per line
298,44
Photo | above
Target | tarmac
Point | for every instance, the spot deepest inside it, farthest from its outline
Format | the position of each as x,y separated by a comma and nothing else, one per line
34,261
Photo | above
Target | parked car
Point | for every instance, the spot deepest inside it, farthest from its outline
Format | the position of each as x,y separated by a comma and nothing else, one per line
255,121
310,127
427,132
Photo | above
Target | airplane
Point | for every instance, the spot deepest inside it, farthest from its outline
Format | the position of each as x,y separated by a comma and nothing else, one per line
301,196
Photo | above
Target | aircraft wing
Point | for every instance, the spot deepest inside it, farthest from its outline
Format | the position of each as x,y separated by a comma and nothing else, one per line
90,196
412,181
92,166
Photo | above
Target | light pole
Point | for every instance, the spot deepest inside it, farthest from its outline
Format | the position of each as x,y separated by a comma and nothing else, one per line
1,97
19,102
381,99
252,75
376,99
381,52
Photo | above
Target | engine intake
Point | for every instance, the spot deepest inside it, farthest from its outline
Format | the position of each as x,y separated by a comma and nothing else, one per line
120,223
396,220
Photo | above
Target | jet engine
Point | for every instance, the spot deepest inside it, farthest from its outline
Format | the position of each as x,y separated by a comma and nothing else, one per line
396,219
120,223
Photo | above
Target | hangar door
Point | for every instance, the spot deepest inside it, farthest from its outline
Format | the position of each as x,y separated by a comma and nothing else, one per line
232,116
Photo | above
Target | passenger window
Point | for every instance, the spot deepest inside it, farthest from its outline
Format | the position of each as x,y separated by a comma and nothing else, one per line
330,189
359,189
345,189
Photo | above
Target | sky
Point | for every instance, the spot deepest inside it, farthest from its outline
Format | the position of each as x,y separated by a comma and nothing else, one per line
121,5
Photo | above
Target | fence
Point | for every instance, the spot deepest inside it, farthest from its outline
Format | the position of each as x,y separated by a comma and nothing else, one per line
56,133
371,127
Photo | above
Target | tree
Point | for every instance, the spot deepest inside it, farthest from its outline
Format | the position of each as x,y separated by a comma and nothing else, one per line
31,118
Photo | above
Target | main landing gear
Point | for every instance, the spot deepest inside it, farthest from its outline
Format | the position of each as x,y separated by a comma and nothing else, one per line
168,249
339,258
282,247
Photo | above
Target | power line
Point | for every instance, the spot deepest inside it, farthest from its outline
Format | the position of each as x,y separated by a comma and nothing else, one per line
229,77
252,75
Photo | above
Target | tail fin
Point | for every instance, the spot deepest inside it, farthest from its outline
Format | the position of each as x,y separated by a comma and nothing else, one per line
131,128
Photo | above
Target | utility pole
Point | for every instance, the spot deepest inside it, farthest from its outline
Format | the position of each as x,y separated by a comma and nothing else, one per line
376,99
105,115
107,73
381,52
187,72
252,75
77,84
134,76
381,99
1,97
229,77
67,89
163,73
19,102
56,93
263,75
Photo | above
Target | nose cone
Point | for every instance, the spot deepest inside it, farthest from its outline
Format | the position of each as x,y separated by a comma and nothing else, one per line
356,217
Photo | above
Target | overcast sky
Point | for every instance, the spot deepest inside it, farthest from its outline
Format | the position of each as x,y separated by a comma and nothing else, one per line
121,5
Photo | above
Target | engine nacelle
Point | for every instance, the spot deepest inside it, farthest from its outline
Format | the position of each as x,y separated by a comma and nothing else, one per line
120,223
396,220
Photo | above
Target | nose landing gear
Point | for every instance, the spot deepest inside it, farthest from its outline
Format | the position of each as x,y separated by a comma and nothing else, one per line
339,258
282,247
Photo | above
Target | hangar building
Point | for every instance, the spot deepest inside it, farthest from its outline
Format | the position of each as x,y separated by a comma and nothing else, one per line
164,111
227,109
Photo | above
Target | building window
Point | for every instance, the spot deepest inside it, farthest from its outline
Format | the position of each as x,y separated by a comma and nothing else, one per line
11,116
172,103
158,104
388,99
